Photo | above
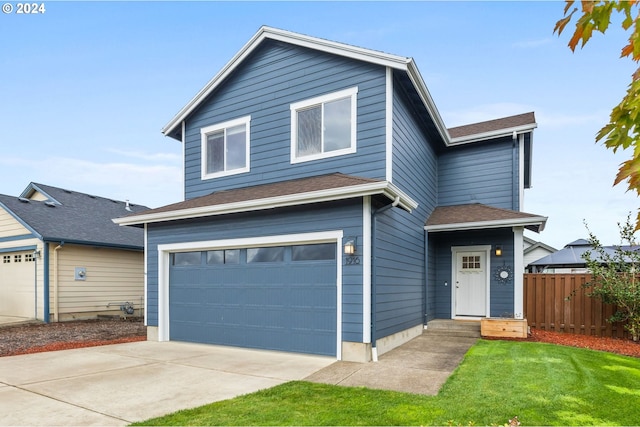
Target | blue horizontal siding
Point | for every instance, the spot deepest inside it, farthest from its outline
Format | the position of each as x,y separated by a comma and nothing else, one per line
501,294
479,173
264,86
343,215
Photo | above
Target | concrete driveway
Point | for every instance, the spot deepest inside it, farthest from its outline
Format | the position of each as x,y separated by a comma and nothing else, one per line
118,384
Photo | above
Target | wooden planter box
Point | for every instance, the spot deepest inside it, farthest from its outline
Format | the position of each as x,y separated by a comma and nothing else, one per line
502,327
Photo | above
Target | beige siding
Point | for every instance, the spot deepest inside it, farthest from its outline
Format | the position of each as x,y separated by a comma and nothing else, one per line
9,226
112,278
535,255
38,196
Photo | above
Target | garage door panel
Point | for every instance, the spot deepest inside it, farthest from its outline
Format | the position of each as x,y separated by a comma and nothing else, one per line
287,305
17,278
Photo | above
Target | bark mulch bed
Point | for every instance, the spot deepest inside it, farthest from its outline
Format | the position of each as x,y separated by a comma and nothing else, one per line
40,337
624,347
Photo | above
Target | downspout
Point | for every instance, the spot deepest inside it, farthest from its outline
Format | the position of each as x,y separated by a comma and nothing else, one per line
426,277
56,316
45,282
35,283
514,177
374,280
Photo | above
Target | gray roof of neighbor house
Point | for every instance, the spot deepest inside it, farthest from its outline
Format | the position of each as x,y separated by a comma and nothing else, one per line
74,217
571,255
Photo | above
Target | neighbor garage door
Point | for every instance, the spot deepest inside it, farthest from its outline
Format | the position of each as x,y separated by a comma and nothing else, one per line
278,298
17,275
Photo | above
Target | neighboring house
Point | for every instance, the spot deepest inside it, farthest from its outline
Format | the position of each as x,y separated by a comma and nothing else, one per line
534,250
328,209
62,258
569,259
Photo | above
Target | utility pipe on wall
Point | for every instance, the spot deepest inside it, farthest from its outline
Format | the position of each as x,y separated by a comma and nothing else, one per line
514,176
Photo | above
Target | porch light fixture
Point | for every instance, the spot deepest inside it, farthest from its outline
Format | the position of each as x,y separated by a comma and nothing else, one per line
498,250
350,246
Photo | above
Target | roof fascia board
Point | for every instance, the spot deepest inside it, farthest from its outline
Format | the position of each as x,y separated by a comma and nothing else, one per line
425,95
93,244
263,33
387,189
500,223
21,221
493,134
342,49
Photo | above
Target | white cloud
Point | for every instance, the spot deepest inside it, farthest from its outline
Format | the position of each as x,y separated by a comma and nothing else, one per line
152,185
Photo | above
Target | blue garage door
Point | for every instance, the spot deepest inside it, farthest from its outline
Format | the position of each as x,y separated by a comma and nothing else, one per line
277,298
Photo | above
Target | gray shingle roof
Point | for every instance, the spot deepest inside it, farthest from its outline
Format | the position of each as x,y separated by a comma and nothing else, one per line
264,191
78,218
482,215
571,255
493,125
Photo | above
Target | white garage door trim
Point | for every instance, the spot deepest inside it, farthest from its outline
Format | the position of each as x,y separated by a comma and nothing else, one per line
286,240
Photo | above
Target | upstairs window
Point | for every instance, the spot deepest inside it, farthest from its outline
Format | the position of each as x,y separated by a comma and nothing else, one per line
324,126
225,148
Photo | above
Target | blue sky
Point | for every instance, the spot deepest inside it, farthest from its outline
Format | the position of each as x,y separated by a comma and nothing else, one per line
86,87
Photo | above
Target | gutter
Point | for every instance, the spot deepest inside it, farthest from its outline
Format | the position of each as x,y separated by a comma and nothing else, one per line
385,188
532,221
97,244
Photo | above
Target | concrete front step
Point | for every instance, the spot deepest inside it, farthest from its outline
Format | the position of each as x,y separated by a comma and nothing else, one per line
459,328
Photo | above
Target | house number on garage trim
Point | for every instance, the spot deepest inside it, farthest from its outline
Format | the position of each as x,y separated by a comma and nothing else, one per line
352,260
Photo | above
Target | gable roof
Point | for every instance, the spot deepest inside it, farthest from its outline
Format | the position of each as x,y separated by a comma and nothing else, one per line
367,55
73,217
294,192
533,245
493,128
476,216
405,65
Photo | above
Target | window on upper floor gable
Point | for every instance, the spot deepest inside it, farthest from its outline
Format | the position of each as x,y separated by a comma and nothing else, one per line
225,148
324,126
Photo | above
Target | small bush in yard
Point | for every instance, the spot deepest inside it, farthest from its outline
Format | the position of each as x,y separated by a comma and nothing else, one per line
616,277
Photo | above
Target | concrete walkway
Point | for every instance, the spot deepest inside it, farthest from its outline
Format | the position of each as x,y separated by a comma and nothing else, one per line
420,366
118,384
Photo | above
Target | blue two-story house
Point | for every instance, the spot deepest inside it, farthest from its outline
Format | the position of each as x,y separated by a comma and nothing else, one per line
328,209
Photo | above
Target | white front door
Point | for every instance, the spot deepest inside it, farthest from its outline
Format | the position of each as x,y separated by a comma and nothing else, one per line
470,281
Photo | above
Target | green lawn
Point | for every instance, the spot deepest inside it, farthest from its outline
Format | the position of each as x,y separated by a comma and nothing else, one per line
542,384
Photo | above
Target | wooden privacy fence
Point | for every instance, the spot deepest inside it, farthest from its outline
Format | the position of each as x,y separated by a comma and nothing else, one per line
546,306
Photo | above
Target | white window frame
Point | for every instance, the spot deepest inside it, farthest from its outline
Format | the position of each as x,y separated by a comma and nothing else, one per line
205,131
320,100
